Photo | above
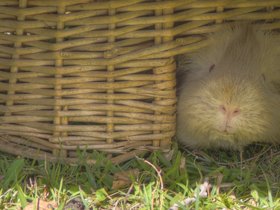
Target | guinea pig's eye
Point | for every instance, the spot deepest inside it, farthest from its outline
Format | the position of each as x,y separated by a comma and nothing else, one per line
263,77
211,67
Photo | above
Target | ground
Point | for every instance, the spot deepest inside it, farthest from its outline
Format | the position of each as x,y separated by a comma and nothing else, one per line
181,179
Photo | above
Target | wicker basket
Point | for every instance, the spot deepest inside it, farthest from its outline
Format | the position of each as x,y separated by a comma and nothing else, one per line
100,75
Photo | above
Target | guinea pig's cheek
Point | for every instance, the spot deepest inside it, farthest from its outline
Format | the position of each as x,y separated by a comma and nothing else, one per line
235,124
219,123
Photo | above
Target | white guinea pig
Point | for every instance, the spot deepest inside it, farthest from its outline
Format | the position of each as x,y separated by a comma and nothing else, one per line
229,96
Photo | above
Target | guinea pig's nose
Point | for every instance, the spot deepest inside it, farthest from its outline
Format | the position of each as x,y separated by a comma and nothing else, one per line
229,113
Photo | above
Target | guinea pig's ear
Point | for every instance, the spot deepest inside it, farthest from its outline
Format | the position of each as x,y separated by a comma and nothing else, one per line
211,67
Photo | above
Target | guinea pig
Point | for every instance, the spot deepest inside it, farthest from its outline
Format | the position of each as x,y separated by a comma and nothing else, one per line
229,95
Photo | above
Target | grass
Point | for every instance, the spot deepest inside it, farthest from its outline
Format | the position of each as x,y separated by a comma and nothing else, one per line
159,181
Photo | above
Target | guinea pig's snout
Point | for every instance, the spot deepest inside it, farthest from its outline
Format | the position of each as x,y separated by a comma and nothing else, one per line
229,114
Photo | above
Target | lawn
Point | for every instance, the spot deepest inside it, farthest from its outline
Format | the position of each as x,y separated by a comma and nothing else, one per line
180,179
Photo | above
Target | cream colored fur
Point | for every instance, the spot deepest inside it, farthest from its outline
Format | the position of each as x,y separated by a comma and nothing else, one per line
245,73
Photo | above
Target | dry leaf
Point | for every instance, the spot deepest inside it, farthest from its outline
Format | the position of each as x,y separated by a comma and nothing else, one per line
182,163
169,154
74,204
123,178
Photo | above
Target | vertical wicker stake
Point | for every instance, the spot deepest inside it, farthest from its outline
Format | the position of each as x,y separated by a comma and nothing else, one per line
158,40
110,92
165,143
57,88
14,68
219,10
270,9
159,70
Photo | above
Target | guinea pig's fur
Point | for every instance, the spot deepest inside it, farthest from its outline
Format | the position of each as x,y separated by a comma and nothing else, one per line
229,96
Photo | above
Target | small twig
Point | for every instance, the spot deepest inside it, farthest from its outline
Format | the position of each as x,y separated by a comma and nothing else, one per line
38,204
116,205
155,168
159,176
257,156
197,155
135,205
127,194
129,191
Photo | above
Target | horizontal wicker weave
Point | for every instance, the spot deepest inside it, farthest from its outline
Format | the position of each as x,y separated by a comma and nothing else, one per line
100,75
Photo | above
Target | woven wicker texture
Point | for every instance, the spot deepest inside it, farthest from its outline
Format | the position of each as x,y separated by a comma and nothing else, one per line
100,75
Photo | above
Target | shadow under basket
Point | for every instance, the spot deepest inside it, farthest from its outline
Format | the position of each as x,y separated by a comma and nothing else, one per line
83,75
